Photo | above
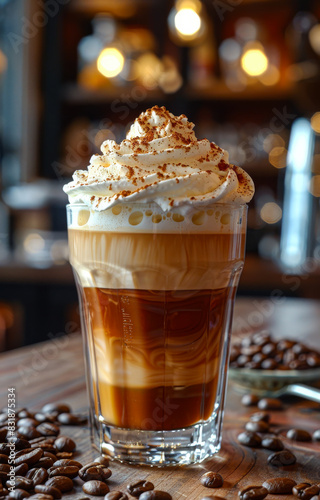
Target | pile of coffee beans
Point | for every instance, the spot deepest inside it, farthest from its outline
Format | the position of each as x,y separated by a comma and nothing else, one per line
37,462
259,433
260,351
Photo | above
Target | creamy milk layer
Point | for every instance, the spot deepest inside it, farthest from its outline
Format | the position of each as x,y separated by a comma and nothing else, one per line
160,161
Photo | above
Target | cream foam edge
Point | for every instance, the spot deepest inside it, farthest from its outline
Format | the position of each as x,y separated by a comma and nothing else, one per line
148,218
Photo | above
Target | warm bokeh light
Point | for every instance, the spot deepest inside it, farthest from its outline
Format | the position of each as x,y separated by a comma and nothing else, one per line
254,62
148,70
230,50
278,157
315,186
187,22
314,38
110,62
271,213
315,122
33,243
272,141
271,76
246,28
3,62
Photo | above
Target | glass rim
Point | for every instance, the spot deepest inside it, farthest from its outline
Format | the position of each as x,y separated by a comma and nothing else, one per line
207,207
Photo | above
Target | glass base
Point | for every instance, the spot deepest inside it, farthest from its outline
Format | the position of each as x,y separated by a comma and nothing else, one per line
158,448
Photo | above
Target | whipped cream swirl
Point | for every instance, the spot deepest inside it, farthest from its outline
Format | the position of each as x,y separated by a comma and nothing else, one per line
160,161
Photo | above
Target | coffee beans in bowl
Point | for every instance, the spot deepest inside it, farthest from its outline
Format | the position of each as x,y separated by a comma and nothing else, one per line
266,353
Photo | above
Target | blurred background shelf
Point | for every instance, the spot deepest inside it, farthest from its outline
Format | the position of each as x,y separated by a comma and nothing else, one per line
71,77
217,91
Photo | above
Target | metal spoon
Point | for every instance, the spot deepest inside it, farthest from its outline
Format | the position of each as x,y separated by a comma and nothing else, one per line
275,383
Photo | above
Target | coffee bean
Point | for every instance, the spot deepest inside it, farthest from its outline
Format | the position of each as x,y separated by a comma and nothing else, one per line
22,483
211,480
30,457
284,345
63,462
283,457
24,413
155,495
299,435
251,350
28,432
309,491
313,360
64,443
288,357
3,459
64,455
38,475
102,461
46,417
261,426
260,416
269,349
48,454
259,357
298,364
246,341
95,488
44,462
19,453
45,446
41,496
71,419
20,444
18,494
272,443
64,470
253,493
316,435
249,400
212,497
48,429
251,439
37,440
63,483
27,422
48,490
94,471
56,407
279,485
5,468
5,449
242,360
300,348
299,489
261,338
269,364
3,434
21,470
3,491
116,495
270,404
139,487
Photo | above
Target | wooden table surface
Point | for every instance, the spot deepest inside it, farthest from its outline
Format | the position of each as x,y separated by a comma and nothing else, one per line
53,371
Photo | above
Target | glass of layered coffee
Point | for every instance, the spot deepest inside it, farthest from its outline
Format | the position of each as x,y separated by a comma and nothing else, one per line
157,235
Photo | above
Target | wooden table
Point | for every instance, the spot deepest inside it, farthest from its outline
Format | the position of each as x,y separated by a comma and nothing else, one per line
53,371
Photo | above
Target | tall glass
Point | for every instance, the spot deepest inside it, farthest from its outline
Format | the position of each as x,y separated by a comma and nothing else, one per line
156,293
